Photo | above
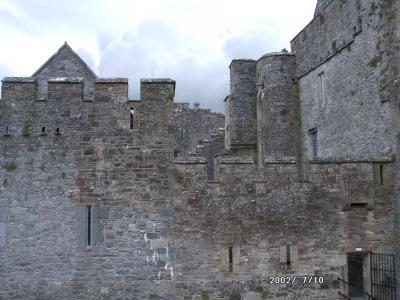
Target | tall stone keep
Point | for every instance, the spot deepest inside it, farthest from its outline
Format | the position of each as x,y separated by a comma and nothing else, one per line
277,108
241,106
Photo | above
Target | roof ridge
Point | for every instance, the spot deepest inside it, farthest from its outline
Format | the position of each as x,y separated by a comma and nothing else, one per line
65,46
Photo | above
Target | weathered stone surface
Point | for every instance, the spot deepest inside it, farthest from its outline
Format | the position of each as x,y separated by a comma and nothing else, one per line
174,215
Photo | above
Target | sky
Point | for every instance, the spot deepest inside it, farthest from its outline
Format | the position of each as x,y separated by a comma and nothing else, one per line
190,41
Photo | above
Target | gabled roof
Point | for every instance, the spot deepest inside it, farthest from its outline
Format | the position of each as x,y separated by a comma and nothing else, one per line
65,47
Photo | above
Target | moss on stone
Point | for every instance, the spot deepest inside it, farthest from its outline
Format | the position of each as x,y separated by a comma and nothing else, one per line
9,166
26,128
373,63
204,295
265,295
167,95
334,46
177,175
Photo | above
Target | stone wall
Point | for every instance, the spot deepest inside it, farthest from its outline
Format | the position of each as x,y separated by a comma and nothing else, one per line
97,203
277,108
340,101
49,179
258,215
241,131
331,30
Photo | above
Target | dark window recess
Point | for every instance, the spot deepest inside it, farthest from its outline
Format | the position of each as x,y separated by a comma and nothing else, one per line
57,131
176,153
381,174
288,254
89,223
43,131
358,204
230,259
131,112
7,132
314,142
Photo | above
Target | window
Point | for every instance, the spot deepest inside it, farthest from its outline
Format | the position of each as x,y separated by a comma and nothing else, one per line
288,255
89,224
131,113
313,133
57,131
230,259
381,174
321,90
7,132
43,131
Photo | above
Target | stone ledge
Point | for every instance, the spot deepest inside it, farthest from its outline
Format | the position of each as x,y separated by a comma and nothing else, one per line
111,80
65,79
19,79
190,162
157,80
383,159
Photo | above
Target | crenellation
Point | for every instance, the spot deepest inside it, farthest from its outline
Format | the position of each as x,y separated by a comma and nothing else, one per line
297,179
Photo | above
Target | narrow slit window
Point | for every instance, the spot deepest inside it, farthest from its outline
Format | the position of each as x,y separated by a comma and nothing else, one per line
89,223
131,113
381,174
43,130
288,254
57,131
321,90
359,205
230,259
313,142
7,132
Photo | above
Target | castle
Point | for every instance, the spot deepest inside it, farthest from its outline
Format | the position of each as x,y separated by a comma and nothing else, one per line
292,194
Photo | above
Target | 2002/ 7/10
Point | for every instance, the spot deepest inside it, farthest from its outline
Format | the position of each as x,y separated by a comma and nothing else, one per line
291,280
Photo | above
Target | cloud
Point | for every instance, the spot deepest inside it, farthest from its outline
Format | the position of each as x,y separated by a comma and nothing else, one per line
250,45
190,41
155,50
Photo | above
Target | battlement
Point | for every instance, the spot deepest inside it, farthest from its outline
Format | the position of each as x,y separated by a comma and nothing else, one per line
31,89
156,89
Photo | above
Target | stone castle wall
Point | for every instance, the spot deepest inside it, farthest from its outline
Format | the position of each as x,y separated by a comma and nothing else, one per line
308,174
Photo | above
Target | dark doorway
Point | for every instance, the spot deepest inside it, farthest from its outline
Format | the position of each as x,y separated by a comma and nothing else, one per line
355,275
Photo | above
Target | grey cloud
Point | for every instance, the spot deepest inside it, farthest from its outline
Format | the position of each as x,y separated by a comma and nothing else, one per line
250,45
153,51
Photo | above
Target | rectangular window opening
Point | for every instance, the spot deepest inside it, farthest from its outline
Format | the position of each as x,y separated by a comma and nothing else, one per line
57,131
360,205
288,255
381,174
43,131
314,142
230,259
321,90
89,222
131,113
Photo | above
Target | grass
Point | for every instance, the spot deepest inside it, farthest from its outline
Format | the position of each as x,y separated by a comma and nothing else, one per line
334,46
